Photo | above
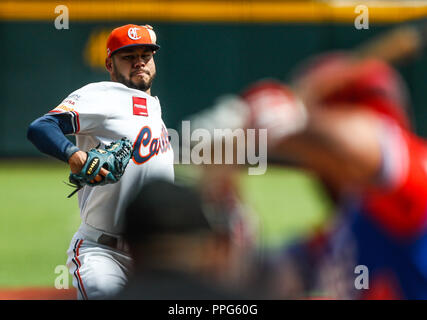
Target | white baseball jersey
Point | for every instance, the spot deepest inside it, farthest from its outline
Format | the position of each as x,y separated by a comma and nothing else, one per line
106,111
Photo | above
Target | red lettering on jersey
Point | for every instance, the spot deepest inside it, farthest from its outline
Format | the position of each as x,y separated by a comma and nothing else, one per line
140,106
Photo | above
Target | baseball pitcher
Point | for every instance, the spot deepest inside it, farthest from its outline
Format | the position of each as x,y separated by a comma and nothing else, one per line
121,143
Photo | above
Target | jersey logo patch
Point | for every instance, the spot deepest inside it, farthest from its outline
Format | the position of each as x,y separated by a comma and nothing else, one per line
134,34
140,106
62,108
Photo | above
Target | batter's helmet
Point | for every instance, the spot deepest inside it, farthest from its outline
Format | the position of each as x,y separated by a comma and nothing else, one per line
338,79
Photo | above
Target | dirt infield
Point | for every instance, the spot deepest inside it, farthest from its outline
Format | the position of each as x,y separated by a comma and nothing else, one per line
38,294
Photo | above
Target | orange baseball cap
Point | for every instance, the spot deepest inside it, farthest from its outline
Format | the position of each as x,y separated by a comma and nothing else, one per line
131,35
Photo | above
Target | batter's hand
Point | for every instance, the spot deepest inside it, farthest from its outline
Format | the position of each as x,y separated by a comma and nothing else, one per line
275,107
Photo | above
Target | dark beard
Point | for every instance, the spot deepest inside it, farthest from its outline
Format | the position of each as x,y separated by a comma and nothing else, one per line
143,86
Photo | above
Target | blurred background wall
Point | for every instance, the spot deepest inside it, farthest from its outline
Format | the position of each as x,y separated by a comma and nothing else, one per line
208,48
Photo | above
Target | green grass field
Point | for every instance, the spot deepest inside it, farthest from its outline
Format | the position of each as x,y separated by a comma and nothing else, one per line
38,221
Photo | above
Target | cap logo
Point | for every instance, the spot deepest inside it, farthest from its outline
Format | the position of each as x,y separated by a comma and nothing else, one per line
133,34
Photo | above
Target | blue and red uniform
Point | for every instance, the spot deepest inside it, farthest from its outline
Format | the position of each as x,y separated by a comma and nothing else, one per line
388,227
387,223
382,227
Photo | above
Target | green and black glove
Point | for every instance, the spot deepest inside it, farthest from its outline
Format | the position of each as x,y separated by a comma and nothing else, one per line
114,158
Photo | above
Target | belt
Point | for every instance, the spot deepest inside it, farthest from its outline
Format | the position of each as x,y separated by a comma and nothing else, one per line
98,236
108,240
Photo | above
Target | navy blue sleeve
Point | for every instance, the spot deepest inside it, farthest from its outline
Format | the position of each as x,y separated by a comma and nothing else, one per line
47,133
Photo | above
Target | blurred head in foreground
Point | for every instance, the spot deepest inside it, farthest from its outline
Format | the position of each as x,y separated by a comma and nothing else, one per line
170,230
358,139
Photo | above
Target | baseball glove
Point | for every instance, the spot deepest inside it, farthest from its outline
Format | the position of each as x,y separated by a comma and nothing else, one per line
114,158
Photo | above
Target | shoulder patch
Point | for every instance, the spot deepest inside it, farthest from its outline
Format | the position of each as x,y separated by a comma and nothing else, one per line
62,108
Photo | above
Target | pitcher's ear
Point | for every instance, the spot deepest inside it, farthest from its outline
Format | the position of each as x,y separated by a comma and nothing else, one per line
109,64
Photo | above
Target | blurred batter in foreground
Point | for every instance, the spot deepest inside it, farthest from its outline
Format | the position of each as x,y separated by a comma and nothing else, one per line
356,135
